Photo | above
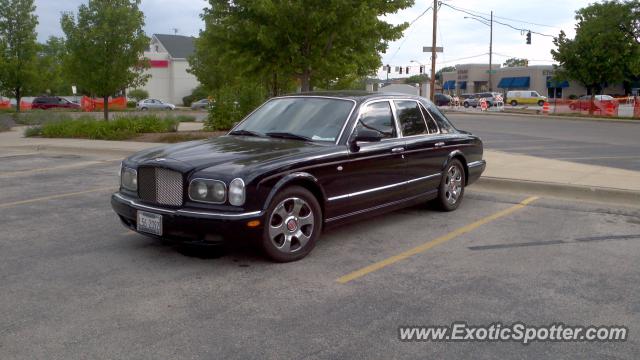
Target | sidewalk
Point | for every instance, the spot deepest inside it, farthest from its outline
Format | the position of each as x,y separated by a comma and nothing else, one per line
505,171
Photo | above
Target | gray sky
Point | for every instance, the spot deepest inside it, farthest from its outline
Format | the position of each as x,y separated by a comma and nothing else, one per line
464,40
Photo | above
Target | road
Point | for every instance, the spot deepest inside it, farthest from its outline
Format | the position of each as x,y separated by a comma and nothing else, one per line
76,284
611,144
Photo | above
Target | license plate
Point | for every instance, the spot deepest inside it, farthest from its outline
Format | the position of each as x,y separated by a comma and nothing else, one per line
149,223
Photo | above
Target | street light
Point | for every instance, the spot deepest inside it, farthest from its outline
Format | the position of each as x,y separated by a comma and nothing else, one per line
490,25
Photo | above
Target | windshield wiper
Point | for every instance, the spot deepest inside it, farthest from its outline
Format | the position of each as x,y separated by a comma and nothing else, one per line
245,133
288,135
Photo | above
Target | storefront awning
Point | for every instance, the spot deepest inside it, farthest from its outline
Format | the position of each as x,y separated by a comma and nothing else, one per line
462,85
514,82
449,85
556,84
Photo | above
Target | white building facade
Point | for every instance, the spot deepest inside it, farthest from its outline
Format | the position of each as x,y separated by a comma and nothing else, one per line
169,80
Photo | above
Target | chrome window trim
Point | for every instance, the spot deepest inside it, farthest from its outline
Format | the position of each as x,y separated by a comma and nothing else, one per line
432,119
211,214
207,202
346,121
423,120
362,192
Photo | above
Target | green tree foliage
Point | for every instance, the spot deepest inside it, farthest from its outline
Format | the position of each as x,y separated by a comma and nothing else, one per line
605,49
18,48
200,92
51,76
515,62
138,94
106,44
443,70
313,41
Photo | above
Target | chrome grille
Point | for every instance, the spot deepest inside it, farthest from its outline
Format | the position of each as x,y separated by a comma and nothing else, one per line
160,186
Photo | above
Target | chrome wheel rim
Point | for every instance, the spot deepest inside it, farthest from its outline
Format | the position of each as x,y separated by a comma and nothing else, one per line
291,225
453,184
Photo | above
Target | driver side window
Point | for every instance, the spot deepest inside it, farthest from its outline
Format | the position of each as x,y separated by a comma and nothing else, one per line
378,117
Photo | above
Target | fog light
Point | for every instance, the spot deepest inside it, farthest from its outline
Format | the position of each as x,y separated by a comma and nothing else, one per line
236,192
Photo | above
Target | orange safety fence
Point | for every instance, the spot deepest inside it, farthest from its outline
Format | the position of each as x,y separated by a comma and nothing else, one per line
5,104
89,104
595,107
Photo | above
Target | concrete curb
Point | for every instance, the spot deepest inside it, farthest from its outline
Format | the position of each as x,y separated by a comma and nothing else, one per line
558,190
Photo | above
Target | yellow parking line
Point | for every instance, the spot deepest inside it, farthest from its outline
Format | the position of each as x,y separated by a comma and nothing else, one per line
52,197
437,241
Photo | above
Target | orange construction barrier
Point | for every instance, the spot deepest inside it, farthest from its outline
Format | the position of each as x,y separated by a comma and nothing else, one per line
25,105
636,107
5,104
611,109
546,108
119,103
483,104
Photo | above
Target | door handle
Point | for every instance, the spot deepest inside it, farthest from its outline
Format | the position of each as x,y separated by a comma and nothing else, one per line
397,150
439,144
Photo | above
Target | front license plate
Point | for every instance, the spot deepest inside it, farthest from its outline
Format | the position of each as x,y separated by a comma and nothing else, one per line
149,223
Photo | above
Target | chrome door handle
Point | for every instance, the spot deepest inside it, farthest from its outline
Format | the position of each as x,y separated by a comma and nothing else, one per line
439,144
397,150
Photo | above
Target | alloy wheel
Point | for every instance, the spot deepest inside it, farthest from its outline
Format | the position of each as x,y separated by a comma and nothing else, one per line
291,225
453,184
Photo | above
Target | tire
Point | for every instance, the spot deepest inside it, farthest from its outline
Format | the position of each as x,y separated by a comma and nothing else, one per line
514,103
292,225
144,109
466,104
540,103
450,196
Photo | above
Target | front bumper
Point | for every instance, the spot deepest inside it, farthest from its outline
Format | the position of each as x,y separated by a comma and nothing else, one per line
476,169
189,225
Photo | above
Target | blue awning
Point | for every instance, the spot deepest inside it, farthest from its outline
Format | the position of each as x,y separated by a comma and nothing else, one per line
514,82
505,83
462,85
449,85
556,84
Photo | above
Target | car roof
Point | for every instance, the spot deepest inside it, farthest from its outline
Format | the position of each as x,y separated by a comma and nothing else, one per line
356,95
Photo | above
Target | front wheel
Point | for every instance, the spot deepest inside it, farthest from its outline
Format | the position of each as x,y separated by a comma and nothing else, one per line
514,103
451,190
466,104
293,224
540,103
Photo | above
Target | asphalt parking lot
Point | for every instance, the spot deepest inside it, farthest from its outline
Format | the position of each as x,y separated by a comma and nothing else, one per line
76,284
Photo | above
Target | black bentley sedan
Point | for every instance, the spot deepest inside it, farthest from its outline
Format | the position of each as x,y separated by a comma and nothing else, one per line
297,165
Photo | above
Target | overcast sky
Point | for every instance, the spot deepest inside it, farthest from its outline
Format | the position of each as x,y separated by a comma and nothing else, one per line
464,40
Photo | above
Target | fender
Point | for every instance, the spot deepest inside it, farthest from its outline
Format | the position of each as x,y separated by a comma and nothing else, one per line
452,155
288,179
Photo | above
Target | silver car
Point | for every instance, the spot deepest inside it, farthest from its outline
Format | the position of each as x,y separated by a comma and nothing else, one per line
154,104
200,104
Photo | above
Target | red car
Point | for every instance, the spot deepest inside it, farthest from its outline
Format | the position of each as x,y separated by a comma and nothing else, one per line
53,102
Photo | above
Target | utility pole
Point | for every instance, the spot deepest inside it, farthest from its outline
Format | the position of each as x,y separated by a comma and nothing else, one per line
433,50
491,51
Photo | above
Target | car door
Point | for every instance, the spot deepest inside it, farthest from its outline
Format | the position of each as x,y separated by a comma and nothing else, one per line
424,147
375,174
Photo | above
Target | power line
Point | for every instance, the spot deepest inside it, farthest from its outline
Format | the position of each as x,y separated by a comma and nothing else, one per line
510,19
464,58
407,36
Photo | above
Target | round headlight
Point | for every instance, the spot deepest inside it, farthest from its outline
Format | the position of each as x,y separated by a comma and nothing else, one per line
201,190
218,190
129,179
206,190
236,192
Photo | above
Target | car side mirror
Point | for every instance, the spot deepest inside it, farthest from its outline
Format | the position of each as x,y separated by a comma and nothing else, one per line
363,135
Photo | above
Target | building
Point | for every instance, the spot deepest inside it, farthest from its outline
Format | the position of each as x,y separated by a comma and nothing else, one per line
169,79
473,78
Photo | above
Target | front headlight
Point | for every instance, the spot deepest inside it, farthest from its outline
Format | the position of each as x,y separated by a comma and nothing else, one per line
206,190
236,192
129,179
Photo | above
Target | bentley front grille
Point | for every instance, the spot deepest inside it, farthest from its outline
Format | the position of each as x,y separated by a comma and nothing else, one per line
160,186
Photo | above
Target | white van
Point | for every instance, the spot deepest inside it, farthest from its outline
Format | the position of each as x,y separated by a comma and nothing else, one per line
522,97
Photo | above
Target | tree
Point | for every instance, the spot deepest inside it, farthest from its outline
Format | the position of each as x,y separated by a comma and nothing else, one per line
138,94
106,44
18,47
443,70
312,41
417,79
603,51
515,62
51,76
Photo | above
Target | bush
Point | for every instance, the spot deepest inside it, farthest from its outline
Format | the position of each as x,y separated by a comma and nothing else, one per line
233,104
131,104
38,117
183,118
198,93
573,97
138,94
124,127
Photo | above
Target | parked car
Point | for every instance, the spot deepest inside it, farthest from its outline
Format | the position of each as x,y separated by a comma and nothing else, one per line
442,99
200,104
53,102
524,97
600,103
154,104
473,100
297,165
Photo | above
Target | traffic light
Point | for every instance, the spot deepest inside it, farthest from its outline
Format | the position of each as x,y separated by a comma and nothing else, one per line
400,70
388,69
529,38
407,70
421,69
